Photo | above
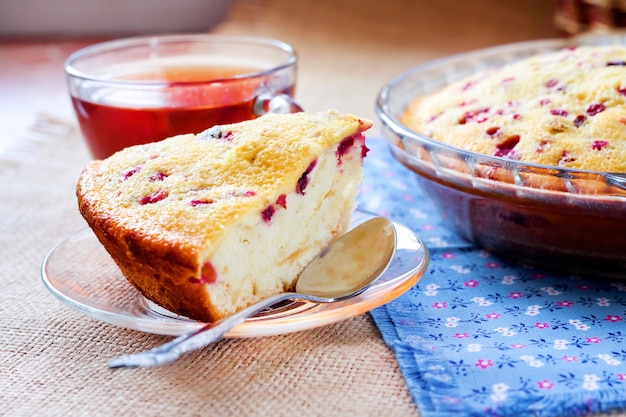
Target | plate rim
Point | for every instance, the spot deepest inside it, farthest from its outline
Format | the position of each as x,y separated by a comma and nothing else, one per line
322,314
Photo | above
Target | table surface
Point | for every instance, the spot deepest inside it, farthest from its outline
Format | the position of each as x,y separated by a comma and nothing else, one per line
52,360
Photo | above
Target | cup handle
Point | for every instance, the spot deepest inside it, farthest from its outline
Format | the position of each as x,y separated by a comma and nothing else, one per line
268,102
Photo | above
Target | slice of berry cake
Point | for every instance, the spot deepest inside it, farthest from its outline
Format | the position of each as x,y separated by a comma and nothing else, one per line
565,108
206,225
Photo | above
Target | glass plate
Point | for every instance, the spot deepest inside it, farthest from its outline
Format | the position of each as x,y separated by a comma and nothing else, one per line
80,273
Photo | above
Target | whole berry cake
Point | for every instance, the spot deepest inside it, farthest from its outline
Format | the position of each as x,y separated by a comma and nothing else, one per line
565,108
205,225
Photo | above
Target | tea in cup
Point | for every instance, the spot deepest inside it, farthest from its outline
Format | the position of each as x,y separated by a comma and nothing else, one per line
144,89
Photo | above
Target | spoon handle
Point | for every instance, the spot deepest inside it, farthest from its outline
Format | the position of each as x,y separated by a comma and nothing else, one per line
200,338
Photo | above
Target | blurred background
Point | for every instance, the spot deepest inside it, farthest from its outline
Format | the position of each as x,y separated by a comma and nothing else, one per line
348,49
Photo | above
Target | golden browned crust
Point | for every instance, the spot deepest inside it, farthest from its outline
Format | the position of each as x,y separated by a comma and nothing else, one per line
160,273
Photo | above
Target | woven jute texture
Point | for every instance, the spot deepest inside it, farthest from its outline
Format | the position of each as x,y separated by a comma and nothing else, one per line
53,359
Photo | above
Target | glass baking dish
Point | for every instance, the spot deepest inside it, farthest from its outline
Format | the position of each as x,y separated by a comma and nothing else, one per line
567,219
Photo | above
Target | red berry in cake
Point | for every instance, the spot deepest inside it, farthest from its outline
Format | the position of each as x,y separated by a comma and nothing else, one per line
559,112
303,181
566,157
282,201
346,144
131,172
195,203
344,147
598,145
477,116
621,90
158,176
579,120
270,210
207,275
493,130
268,213
541,146
551,83
616,63
228,136
505,148
364,151
468,85
154,197
595,108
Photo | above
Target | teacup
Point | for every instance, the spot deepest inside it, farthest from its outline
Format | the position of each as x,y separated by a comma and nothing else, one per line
138,90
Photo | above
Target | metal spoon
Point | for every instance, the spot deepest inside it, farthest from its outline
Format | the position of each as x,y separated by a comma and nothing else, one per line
344,269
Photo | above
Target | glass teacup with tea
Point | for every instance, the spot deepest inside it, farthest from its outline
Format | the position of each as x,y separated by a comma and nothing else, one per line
138,90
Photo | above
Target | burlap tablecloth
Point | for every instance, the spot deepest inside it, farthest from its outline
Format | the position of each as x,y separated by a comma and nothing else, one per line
53,359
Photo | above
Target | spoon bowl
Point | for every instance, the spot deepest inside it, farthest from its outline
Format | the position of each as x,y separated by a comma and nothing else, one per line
343,270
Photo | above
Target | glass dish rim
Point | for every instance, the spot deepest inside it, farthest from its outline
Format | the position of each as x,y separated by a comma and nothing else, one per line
146,40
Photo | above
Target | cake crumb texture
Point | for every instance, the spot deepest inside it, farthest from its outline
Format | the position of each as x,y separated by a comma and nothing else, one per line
207,224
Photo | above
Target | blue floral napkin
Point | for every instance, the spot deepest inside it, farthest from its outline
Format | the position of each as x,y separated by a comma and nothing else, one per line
483,336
